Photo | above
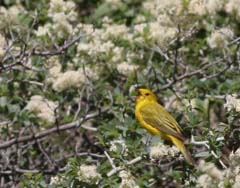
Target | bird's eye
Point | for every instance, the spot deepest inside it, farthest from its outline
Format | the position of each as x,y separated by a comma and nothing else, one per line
147,94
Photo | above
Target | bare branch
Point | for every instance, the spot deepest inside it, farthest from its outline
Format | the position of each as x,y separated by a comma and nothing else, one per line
47,132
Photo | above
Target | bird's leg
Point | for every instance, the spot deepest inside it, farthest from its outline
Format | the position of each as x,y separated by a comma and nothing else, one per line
148,141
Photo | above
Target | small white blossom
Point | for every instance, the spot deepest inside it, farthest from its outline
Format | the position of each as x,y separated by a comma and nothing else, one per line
213,177
140,27
83,47
237,181
89,174
117,54
162,35
156,7
140,19
126,68
56,180
65,7
232,102
233,7
62,13
55,71
213,6
211,170
96,47
54,66
42,107
116,31
61,25
220,38
43,30
119,144
201,7
85,28
10,15
161,150
128,180
90,73
205,181
197,7
165,21
235,158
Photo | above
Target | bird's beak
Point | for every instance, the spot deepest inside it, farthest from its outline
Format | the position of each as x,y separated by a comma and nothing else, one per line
138,93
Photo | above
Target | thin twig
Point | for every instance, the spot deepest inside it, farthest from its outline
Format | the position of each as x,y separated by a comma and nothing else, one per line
110,160
117,169
205,143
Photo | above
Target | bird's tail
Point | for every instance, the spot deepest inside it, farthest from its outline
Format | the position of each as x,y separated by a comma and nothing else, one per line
180,145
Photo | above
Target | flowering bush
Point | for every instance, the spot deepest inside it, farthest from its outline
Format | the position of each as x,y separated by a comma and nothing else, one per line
69,71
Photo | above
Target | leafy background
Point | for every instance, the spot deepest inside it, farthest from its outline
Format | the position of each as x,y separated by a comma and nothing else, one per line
68,76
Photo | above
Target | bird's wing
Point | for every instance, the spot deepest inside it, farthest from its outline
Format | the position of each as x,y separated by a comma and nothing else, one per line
156,116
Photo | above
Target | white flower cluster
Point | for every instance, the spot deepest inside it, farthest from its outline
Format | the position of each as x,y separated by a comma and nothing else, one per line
120,144
42,107
232,102
220,38
157,7
100,41
126,68
161,150
116,31
10,16
213,6
197,7
211,170
70,78
54,67
202,7
60,6
214,177
128,180
97,47
168,13
234,170
233,7
177,7
162,29
62,13
89,174
56,180
161,34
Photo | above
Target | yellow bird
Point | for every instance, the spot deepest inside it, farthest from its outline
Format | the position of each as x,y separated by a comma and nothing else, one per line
153,117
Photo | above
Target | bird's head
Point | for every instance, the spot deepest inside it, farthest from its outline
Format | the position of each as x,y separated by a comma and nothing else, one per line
146,94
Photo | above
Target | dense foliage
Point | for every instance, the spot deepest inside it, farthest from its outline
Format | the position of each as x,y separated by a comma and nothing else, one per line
68,76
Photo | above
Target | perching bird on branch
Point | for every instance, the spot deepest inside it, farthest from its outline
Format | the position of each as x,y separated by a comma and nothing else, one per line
153,117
